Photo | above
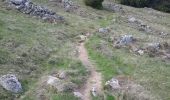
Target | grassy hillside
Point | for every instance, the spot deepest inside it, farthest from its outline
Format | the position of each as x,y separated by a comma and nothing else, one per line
31,49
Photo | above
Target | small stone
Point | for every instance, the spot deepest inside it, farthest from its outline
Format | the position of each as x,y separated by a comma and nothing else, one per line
114,83
103,30
140,52
62,75
94,91
78,95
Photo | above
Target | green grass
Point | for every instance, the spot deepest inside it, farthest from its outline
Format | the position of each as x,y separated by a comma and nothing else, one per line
108,66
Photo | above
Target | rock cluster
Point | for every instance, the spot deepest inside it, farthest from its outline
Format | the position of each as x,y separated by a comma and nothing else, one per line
11,83
139,24
125,40
32,9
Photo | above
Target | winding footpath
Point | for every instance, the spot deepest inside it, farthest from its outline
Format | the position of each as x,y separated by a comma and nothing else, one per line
93,84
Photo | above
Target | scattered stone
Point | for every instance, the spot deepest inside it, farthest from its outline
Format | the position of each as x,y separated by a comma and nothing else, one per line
62,75
94,91
134,20
125,40
114,83
11,83
60,85
78,95
140,52
104,30
82,38
155,45
27,7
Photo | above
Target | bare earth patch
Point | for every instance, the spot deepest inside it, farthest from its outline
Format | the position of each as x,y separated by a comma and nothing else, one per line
94,82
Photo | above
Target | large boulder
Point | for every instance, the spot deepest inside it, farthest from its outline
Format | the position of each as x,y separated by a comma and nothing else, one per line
11,83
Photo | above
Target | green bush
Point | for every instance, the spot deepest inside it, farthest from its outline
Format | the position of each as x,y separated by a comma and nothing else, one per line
94,3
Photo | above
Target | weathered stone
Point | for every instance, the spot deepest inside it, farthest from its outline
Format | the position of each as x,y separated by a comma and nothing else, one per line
62,75
103,30
114,83
78,95
113,7
125,40
60,85
11,83
94,91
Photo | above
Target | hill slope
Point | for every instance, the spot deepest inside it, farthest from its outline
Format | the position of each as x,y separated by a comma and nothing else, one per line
33,50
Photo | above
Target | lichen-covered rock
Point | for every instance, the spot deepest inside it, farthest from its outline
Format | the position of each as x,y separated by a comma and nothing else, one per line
113,83
32,9
11,83
125,40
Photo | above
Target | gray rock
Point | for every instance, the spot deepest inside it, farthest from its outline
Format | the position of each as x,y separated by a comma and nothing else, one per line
114,83
103,30
124,40
94,91
60,85
62,75
78,95
11,83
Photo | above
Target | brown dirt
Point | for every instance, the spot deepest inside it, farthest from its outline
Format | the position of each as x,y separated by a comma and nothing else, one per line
95,78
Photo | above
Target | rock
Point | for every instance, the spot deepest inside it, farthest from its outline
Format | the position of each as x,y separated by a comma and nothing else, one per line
62,75
60,85
82,38
114,83
132,19
140,52
155,45
32,9
78,95
11,83
94,91
125,40
104,30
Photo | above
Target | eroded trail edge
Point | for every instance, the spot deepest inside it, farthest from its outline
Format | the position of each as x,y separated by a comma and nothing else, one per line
93,86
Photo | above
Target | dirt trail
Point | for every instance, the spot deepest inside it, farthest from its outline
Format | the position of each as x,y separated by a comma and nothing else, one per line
94,81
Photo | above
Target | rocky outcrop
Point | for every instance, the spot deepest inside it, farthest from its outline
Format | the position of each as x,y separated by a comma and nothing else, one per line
124,40
27,7
10,83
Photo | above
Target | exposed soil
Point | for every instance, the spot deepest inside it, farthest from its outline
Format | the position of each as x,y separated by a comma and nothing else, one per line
95,78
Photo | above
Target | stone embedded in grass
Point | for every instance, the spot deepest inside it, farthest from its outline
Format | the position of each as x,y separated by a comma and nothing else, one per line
62,75
78,95
114,83
60,85
113,7
104,30
11,83
125,40
18,2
